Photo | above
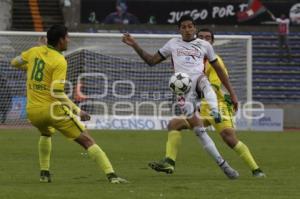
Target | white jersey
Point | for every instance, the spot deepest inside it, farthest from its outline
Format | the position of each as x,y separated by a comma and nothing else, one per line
188,57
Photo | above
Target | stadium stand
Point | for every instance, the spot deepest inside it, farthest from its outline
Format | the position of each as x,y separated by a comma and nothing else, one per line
275,80
5,14
36,15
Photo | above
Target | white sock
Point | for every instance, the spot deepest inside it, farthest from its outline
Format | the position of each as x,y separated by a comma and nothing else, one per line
208,144
209,93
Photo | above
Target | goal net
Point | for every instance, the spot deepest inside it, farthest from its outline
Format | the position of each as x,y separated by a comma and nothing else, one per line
106,77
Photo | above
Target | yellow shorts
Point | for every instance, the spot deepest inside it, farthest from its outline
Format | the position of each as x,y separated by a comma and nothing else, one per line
60,118
226,114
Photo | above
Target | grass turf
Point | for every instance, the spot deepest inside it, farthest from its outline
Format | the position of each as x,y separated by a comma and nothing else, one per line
75,176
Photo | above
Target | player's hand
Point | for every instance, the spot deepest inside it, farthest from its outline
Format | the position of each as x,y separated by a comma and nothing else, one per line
128,39
84,116
235,102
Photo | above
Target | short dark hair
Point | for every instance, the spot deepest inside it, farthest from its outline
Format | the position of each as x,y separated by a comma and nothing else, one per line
207,30
56,32
185,18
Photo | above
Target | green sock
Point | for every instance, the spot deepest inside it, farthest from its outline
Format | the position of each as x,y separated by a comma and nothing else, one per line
99,156
173,144
45,147
246,155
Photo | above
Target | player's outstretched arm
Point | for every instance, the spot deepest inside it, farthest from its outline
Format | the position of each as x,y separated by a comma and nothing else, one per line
225,81
19,63
151,60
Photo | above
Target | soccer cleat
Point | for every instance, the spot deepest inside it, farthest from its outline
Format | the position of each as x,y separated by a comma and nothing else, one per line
166,165
45,176
217,117
229,171
114,179
258,173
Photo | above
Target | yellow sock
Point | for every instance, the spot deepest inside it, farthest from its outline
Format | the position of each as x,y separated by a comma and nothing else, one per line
173,144
99,156
246,155
45,147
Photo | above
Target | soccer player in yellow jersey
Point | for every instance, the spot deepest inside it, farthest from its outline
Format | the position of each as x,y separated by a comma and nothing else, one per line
49,108
225,127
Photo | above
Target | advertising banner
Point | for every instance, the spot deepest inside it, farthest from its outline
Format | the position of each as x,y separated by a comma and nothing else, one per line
18,109
251,12
128,122
262,120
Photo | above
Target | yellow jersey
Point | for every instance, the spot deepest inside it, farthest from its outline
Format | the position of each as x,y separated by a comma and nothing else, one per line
214,79
46,74
224,101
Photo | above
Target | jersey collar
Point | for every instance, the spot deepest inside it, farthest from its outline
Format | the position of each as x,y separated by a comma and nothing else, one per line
51,47
190,40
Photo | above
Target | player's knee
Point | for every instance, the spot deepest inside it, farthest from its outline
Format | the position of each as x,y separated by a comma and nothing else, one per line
229,137
177,125
85,140
172,125
203,82
199,131
203,86
194,121
45,135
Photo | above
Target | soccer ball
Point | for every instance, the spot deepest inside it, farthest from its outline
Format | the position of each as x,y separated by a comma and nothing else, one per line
180,83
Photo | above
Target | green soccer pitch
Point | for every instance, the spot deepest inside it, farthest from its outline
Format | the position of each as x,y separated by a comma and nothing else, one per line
75,176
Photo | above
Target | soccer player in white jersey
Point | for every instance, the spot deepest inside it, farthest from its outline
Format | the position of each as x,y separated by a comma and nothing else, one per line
225,128
188,54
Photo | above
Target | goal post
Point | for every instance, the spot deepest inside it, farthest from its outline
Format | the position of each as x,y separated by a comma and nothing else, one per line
107,77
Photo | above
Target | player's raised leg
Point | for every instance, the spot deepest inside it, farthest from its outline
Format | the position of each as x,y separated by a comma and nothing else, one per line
204,86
